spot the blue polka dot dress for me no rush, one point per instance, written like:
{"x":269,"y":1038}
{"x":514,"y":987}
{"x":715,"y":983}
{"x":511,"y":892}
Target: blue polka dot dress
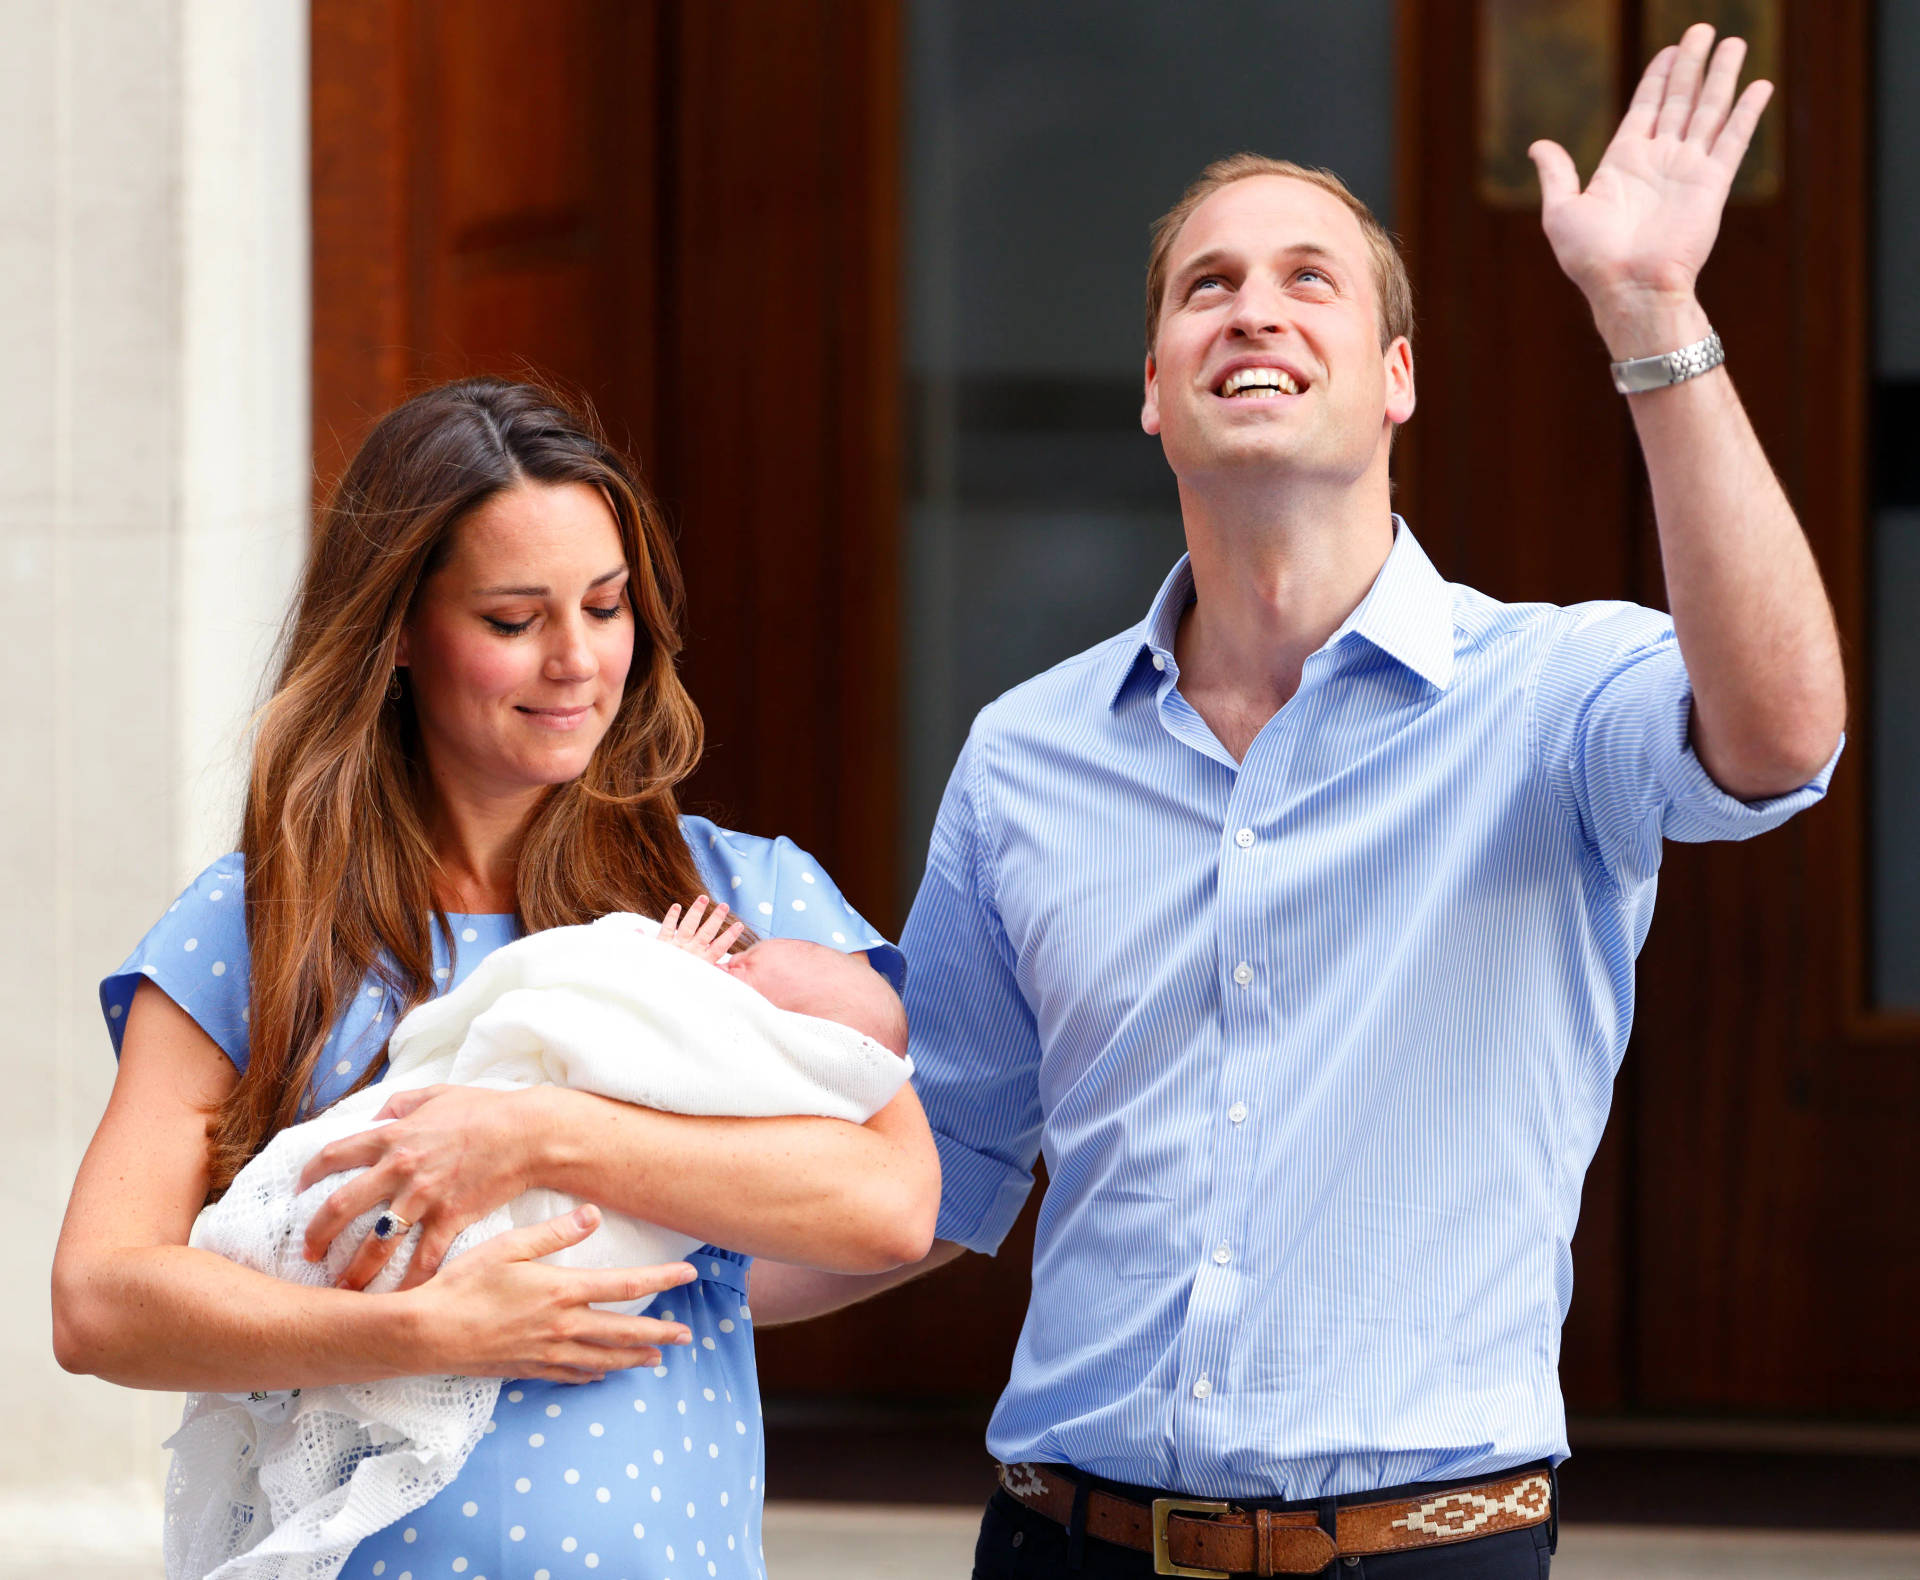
{"x":650,"y":1475}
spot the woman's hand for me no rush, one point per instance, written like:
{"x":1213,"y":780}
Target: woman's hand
{"x":499,"y":1311}
{"x":449,"y":1157}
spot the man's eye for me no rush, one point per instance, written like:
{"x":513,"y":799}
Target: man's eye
{"x":1203,"y":282}
{"x":1315,"y":275}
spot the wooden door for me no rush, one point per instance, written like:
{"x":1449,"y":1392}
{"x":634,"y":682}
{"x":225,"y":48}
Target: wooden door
{"x":690,"y":213}
{"x":686,"y":214}
{"x":1747,"y":1240}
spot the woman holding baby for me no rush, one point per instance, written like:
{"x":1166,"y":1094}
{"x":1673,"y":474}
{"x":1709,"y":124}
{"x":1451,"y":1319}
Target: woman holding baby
{"x":477,"y":732}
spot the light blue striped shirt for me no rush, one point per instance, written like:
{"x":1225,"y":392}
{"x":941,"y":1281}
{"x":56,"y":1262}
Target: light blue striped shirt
{"x":1317,"y":1046}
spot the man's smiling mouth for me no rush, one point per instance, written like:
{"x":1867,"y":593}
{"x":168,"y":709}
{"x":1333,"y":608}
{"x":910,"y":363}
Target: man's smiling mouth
{"x":1259,"y":384}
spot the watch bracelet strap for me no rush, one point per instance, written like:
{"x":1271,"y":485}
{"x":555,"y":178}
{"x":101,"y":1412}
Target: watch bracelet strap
{"x":1670,"y":367}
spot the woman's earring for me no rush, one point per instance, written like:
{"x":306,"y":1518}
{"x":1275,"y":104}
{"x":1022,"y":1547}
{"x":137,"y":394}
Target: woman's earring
{"x":394,"y":693}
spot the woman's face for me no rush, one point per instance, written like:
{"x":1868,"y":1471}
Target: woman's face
{"x":518,"y":645}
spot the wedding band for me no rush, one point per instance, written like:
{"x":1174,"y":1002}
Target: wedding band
{"x":390,"y":1223}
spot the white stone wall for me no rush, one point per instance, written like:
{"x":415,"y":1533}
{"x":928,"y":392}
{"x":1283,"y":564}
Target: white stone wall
{"x":153,"y":495}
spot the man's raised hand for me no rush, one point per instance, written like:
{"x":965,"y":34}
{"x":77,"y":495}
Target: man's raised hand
{"x":1636,"y":239}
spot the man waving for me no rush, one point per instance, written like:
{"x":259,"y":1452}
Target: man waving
{"x":1296,"y":925}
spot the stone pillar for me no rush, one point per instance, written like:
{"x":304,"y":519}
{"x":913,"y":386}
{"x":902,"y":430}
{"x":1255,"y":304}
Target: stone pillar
{"x":154,"y":478}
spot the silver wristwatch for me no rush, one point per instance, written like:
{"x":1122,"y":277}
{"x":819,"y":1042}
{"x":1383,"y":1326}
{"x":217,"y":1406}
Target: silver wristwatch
{"x":1670,"y":367}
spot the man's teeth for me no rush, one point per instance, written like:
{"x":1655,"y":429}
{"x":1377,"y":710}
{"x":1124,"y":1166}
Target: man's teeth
{"x":1258,"y":381}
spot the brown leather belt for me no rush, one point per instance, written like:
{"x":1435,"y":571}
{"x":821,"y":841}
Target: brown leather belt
{"x":1193,"y":1536}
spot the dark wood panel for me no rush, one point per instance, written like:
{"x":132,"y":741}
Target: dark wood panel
{"x":780,"y":448}
{"x":484,"y":201}
{"x":361,"y":162}
{"x":1516,"y":473}
{"x":1746,"y":1242}
{"x":518,"y":102}
{"x":1785,"y":1117}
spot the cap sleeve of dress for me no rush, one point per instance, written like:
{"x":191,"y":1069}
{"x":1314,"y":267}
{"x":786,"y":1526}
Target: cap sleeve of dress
{"x":197,"y":955}
{"x":782,"y":892}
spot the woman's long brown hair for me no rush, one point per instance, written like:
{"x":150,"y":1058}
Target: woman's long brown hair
{"x":339,"y":867}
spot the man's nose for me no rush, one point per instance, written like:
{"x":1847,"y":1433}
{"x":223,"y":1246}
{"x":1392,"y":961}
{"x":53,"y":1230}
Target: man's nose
{"x":1260,"y":308}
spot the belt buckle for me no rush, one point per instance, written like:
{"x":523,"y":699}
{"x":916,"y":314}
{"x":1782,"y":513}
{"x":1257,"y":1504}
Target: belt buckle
{"x":1163,"y":1563}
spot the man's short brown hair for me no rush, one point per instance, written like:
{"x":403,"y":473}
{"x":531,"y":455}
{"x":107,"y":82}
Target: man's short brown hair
{"x":1390,"y":283}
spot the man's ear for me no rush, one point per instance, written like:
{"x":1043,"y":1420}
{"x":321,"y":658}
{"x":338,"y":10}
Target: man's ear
{"x":1150,"y":402}
{"x":1399,"y":367}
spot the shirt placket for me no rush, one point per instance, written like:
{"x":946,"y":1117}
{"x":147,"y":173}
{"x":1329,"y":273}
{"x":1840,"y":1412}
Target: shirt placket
{"x":1252,"y":1033}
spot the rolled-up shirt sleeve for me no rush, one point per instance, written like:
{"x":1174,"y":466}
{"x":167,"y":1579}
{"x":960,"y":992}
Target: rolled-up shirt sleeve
{"x":976,"y":1050}
{"x":1612,"y":712}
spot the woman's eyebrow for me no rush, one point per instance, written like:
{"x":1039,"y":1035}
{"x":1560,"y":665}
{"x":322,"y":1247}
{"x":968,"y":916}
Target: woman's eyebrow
{"x":544,"y":592}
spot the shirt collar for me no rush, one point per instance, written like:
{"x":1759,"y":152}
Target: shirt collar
{"x":1407,"y":614}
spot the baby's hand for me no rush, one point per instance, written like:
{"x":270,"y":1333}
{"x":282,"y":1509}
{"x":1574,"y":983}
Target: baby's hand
{"x":701,"y":932}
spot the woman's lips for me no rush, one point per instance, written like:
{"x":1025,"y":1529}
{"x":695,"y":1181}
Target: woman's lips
{"x":557,"y":718}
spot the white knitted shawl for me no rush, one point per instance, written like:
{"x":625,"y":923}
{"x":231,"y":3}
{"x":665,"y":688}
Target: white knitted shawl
{"x":281,"y":1486}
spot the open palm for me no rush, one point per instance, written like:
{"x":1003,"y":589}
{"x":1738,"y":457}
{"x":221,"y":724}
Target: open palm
{"x":1648,"y":218}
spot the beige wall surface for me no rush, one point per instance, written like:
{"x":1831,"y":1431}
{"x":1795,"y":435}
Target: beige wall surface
{"x":153,"y":495}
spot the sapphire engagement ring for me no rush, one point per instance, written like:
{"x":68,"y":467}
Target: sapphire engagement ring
{"x":390,"y":1223}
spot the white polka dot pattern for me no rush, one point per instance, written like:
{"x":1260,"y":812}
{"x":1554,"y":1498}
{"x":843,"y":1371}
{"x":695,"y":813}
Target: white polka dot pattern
{"x":584,"y":1513}
{"x":498,"y":1518}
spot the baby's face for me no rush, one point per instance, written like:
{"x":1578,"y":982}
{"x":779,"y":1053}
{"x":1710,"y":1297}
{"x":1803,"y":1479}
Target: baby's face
{"x":812,"y":979}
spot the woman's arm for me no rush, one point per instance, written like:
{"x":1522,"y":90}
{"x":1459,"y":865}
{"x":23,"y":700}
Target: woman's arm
{"x":824,"y":1193}
{"x":133,"y":1303}
{"x":821,"y":1192}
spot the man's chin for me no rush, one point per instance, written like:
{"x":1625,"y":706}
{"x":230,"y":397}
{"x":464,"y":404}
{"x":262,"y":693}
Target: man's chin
{"x":1247,"y":455}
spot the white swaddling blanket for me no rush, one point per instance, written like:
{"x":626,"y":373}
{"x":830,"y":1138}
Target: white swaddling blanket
{"x":283,"y":1485}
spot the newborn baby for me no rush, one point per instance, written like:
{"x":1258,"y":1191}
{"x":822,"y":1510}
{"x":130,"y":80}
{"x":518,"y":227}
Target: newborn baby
{"x":656,"y":1014}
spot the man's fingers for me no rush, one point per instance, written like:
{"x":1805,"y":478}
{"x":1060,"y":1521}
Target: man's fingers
{"x":1558,"y":178}
{"x":1643,"y":114}
{"x":1716,"y":94}
{"x":1730,"y":147}
{"x":1683,"y":82}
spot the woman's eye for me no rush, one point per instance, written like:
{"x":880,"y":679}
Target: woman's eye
{"x":611,"y":611}
{"x":508,"y":627}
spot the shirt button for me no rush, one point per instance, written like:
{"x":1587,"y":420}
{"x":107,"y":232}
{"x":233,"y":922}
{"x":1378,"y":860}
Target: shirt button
{"x":1202,"y":1388}
{"x":1159,"y":662}
{"x":1222,"y":1255}
{"x":1243,"y":973}
{"x":1237,"y":1113}
{"x":1244,"y":839}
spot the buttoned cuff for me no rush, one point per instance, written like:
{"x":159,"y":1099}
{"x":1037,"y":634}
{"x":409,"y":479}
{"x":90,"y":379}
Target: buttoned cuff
{"x":980,"y":1196}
